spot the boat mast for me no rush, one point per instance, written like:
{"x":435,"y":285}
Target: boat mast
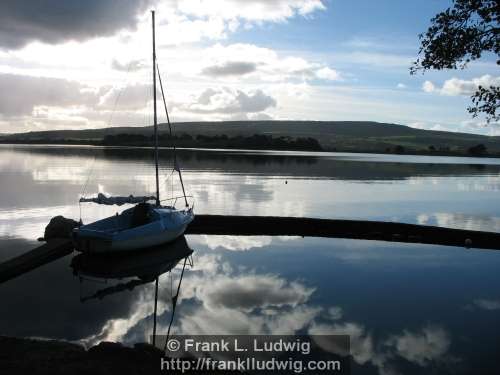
{"x":154,"y":110}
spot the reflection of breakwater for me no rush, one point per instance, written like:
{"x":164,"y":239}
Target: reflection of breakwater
{"x":315,"y":165}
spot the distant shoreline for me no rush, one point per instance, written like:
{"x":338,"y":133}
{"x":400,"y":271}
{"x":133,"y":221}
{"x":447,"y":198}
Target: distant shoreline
{"x":260,"y":142}
{"x":80,"y":142}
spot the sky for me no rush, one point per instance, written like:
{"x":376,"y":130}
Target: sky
{"x":87,"y":64}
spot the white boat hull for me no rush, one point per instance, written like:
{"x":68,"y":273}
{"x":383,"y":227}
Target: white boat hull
{"x":114,"y":234}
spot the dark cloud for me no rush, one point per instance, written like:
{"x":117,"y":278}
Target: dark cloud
{"x":230,"y":68}
{"x":20,"y":94}
{"x":250,"y":292}
{"x":55,"y":21}
{"x":206,"y":96}
{"x":227,"y":101}
{"x":254,"y":102}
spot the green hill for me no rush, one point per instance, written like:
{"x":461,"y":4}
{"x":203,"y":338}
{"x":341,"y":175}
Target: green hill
{"x":332,"y":135}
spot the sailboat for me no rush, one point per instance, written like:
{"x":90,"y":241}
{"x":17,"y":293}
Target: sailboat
{"x":146,"y":224}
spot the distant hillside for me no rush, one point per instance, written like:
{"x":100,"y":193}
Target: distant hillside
{"x":332,"y":135}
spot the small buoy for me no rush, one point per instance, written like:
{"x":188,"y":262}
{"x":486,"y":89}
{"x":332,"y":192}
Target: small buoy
{"x":468,"y":243}
{"x":286,"y":182}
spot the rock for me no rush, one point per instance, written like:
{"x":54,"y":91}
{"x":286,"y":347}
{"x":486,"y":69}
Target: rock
{"x":59,"y":227}
{"x":148,"y":350}
{"x":41,"y":357}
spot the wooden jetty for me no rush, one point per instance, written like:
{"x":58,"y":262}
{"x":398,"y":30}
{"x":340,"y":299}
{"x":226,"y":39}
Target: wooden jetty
{"x":281,"y":226}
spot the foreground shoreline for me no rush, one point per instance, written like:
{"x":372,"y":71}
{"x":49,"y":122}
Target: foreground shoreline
{"x":23,"y":355}
{"x":37,"y":356}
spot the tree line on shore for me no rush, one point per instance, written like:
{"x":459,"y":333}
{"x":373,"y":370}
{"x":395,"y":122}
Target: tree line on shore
{"x":256,"y":141}
{"x":476,"y":150}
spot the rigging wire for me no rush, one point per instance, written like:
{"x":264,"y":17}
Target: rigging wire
{"x":176,"y":166}
{"x":110,"y":118}
{"x":155,"y":310}
{"x":142,"y":166}
{"x":174,"y":304}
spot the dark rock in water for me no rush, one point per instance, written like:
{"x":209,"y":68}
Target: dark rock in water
{"x":59,"y":227}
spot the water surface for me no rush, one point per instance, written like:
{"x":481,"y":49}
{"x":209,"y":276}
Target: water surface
{"x":408,"y":308}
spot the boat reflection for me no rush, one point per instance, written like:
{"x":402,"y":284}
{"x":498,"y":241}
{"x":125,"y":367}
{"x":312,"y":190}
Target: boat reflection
{"x":141,"y":267}
{"x":145,"y":265}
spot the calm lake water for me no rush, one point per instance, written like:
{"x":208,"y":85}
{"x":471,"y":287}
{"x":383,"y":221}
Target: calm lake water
{"x":408,"y":308}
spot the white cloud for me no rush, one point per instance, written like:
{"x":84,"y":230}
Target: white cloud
{"x":480,"y":126}
{"x":432,"y":126}
{"x":421,"y":347}
{"x":428,"y":86}
{"x":465,"y":126}
{"x":438,"y":127}
{"x":327,"y":73}
{"x":20,"y":95}
{"x":188,"y":20}
{"x":464,"y":221}
{"x":132,"y":65}
{"x":361,"y":342}
{"x":430,"y":344}
{"x":248,"y":292}
{"x":251,"y":95}
{"x":335,"y":313}
{"x":261,"y":64}
{"x":229,"y":101}
{"x":253,"y":10}
{"x":249,"y":303}
{"x":182,"y":29}
{"x":132,"y":97}
{"x":237,"y":243}
{"x":487,"y":304}
{"x":417,"y":125}
{"x":456,"y":86}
